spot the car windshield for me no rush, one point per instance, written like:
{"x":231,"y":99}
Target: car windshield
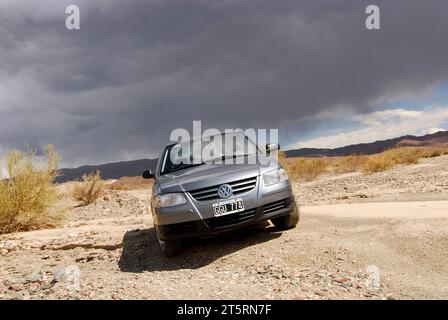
{"x":219,"y":148}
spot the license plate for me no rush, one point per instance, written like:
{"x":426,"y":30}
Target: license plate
{"x":227,"y":207}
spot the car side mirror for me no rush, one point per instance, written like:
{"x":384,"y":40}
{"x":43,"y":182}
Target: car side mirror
{"x":147,"y":174}
{"x":272,"y":147}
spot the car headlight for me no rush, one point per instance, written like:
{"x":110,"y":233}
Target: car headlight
{"x":168,"y":200}
{"x":274,"y":176}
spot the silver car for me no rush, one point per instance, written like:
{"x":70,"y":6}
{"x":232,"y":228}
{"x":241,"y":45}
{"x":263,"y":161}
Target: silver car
{"x":200,"y":199}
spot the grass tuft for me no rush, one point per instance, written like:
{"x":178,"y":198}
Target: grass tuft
{"x":300,"y":169}
{"x":89,"y":189}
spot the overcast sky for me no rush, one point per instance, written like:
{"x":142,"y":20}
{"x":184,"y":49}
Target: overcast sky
{"x":138,"y":69}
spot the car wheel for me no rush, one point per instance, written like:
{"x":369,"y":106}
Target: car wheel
{"x":289,"y":221}
{"x":170,"y":247}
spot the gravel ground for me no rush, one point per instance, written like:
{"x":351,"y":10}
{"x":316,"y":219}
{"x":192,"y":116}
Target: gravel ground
{"x":382,"y":236}
{"x":427,"y":180}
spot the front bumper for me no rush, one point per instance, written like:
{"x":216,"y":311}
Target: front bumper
{"x":196,"y":218}
{"x":224,"y":224}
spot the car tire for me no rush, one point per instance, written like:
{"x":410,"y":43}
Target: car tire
{"x":169,"y":248}
{"x":289,"y":221}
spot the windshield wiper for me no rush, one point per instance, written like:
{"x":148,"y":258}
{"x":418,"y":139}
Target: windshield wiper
{"x":234,"y":156}
{"x":182,"y":167}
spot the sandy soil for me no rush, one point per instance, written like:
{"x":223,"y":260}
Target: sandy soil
{"x":382,"y":236}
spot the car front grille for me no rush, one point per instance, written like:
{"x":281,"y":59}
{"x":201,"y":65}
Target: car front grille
{"x":277,"y":205}
{"x":211,"y":193}
{"x":230,"y":219}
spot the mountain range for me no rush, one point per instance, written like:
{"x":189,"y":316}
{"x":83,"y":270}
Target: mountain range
{"x":133,"y":168}
{"x":436,"y":140}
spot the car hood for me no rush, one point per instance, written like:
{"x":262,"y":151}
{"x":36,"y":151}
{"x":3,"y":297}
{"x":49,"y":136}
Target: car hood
{"x":209,"y":175}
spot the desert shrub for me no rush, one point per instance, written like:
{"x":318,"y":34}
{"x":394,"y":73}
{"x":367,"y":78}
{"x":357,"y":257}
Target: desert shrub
{"x":89,"y":189}
{"x":303,"y":169}
{"x":434,"y":153}
{"x":404,"y":155}
{"x":307,"y":169}
{"x":28,"y":194}
{"x":350,"y":163}
{"x":377,"y":163}
{"x":387,"y":159}
{"x":431,"y":153}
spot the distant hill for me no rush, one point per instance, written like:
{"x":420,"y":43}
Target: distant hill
{"x":113,"y":170}
{"x":134,"y":168}
{"x":437,"y":140}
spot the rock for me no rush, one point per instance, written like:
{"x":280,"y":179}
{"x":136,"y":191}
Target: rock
{"x":3,"y":252}
{"x":46,"y":286}
{"x":16,"y":287}
{"x":322,"y":274}
{"x":34,"y":286}
{"x":390,"y":297}
{"x":70,"y":276}
{"x":13,"y":280}
{"x":8,"y":245}
{"x":115,"y":296}
{"x":319,"y":293}
{"x":342,"y":280}
{"x":278,"y":275}
{"x":15,"y":296}
{"x":34,"y":277}
{"x":293,"y":281}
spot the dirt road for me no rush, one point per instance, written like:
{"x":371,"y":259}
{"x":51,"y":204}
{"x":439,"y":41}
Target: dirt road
{"x":362,"y":250}
{"x":325,"y":257}
{"x":406,"y":240}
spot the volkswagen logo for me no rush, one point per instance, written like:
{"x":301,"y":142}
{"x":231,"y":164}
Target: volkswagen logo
{"x":224,"y":191}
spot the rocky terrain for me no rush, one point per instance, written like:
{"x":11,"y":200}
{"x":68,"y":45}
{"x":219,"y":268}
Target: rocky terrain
{"x":382,"y":236}
{"x":426,"y":180}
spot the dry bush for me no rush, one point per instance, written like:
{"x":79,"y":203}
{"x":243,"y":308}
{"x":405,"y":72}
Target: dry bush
{"x":431,"y":152}
{"x":303,"y":169}
{"x":307,"y":169}
{"x":377,"y":163}
{"x":347,"y":164}
{"x":404,"y":155}
{"x":387,"y":159}
{"x":89,"y":189}
{"x":28,"y":195}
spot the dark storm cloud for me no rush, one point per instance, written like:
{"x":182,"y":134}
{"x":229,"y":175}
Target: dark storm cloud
{"x":138,"y":69}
